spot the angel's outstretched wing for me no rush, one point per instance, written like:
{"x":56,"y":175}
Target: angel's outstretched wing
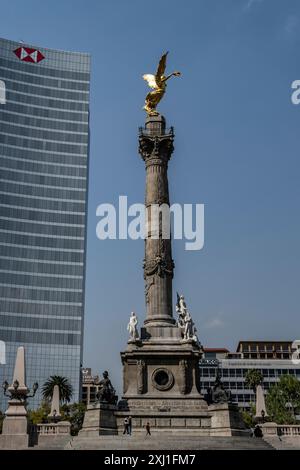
{"x":161,"y":68}
{"x":151,"y":80}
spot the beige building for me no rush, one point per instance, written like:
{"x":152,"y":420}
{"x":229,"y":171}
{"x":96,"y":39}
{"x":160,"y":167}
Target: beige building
{"x":265,"y":349}
{"x":90,"y":385}
{"x":272,"y":358}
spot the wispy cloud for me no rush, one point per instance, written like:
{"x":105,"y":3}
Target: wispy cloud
{"x":291,"y":25}
{"x":251,"y":3}
{"x":215,"y":322}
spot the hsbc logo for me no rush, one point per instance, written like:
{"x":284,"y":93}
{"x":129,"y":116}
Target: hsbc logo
{"x":27,"y":54}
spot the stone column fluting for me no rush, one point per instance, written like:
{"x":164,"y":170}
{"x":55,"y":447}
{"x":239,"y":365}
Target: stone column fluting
{"x":156,"y":147}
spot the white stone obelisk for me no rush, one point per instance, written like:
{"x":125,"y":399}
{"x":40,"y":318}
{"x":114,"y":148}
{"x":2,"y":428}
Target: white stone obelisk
{"x":20,"y":370}
{"x":55,"y":413}
{"x":14,"y":432}
{"x":261,"y":411}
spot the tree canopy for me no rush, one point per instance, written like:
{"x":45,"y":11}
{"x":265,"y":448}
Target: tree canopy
{"x":253,"y":378}
{"x":65,"y":388}
{"x":283,"y":400}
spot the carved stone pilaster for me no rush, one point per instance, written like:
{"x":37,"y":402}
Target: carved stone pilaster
{"x":182,"y":376}
{"x":125,"y":377}
{"x":140,"y":371}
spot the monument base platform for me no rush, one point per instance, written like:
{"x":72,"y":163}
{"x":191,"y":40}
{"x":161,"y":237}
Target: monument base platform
{"x":165,"y":441}
{"x":99,"y":420}
{"x":175,"y":417}
{"x":168,"y":417}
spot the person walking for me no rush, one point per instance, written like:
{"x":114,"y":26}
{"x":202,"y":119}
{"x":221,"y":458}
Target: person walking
{"x":148,"y":432}
{"x":129,"y":425}
{"x":126,"y":424}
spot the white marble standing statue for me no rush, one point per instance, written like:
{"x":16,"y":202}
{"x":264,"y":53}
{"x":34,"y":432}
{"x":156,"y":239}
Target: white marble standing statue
{"x":181,"y":310}
{"x":188,"y":326}
{"x":132,"y":327}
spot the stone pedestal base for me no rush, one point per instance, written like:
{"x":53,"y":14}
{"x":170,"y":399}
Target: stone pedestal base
{"x":226,"y":420}
{"x":164,"y":368}
{"x":99,"y":419}
{"x":269,"y":429}
{"x":14,"y":433}
{"x":162,"y":386}
{"x":14,"y":441}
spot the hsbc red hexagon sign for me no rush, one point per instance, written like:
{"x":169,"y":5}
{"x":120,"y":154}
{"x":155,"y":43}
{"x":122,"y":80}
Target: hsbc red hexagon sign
{"x":27,"y":54}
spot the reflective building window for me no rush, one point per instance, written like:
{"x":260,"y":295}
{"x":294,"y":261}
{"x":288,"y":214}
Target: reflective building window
{"x":44,"y":137}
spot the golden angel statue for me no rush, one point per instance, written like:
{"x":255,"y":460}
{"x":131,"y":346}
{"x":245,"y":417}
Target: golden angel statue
{"x":158,"y":83}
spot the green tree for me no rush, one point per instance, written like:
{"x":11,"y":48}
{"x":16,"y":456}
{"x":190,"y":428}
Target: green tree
{"x":276,"y":408}
{"x":65,"y":388}
{"x":290,"y":387}
{"x":248,"y":416}
{"x":74,"y":413}
{"x":253,"y":378}
{"x":283,"y":399}
{"x":40,"y":415}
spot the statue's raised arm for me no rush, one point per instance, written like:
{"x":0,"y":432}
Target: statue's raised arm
{"x":158,"y":83}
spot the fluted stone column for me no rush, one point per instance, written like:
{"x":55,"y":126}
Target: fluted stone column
{"x":156,"y":147}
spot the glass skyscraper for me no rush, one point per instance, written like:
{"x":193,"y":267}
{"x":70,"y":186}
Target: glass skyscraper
{"x":44,"y":153}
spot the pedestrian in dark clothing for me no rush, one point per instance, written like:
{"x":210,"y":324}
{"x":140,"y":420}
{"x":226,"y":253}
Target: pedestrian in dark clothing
{"x":126,"y":424}
{"x":258,"y":431}
{"x":148,"y":433}
{"x":129,"y":425}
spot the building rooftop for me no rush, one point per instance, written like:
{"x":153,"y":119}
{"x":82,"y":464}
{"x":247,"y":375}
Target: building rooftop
{"x":263,"y":342}
{"x":219,"y":350}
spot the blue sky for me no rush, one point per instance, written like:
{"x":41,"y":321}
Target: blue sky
{"x":236,"y":151}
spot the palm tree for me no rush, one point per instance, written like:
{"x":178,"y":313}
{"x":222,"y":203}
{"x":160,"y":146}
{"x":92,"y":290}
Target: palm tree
{"x":253,"y":378}
{"x":65,"y":388}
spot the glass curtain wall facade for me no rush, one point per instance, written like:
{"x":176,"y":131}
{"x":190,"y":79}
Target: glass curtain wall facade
{"x":44,"y":153}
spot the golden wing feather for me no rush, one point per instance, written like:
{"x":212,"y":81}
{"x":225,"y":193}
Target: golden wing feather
{"x":161,"y":68}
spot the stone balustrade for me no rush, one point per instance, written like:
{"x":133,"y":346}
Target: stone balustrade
{"x":46,"y":429}
{"x":288,"y":430}
{"x":274,"y":429}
